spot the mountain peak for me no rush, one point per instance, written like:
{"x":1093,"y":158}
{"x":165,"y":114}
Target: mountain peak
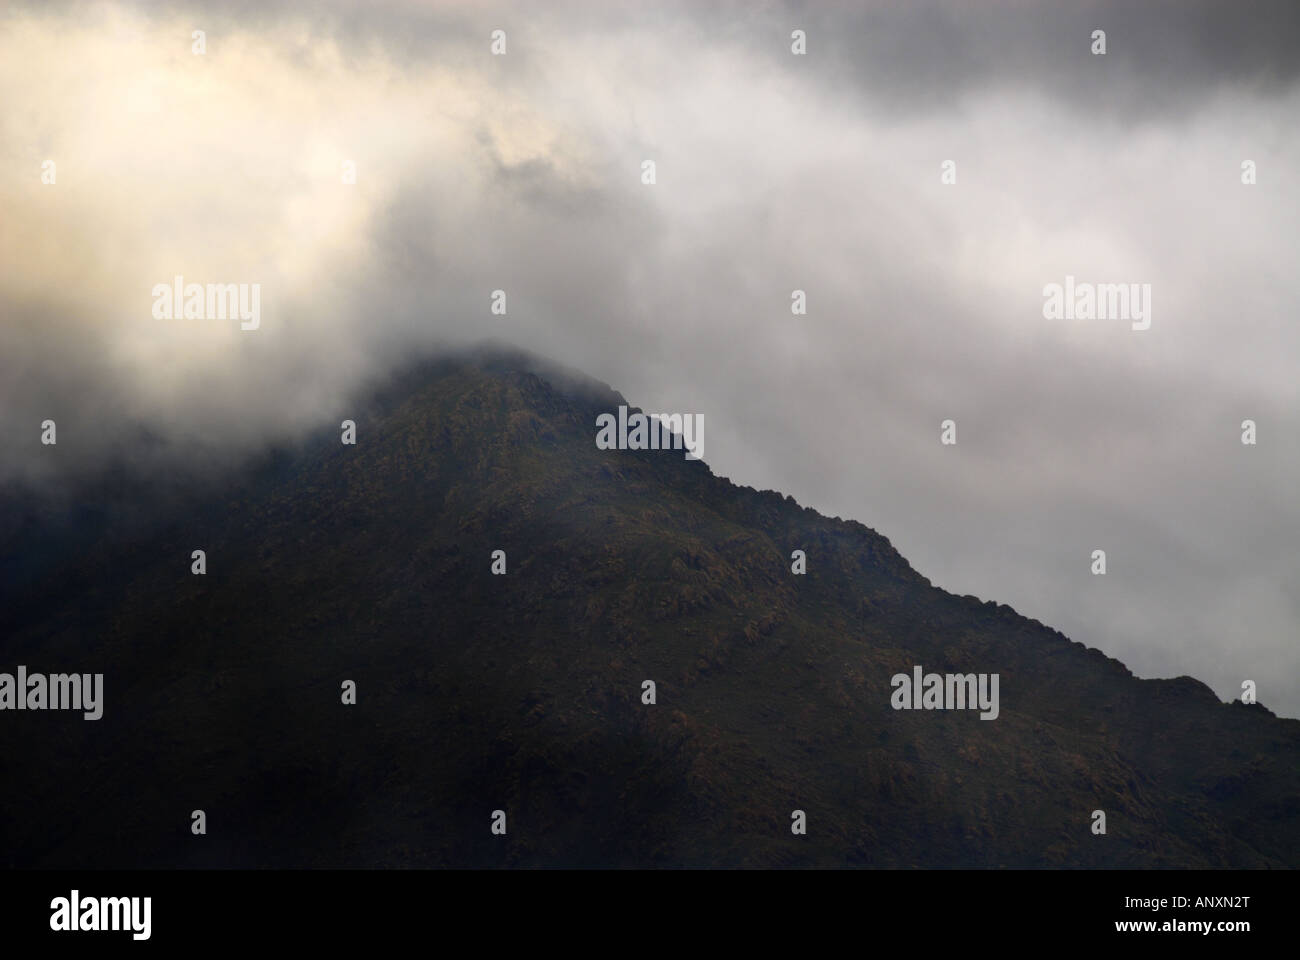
{"x":500,"y":590}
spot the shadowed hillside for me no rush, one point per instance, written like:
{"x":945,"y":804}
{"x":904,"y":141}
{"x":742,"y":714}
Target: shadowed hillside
{"x":522,"y":692}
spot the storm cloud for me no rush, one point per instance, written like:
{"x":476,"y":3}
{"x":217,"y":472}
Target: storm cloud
{"x":774,"y":173}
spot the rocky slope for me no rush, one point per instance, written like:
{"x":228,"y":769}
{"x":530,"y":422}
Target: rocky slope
{"x":522,"y":692}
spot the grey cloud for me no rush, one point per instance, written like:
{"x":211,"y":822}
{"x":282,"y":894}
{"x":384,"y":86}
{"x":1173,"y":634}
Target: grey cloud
{"x":1164,"y":57}
{"x":822,"y":174}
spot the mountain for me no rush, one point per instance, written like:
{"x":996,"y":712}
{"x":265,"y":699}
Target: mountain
{"x":522,"y":692}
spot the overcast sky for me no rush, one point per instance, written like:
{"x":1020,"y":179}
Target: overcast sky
{"x":774,"y":172}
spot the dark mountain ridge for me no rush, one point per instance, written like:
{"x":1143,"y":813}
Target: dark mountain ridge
{"x":478,"y":692}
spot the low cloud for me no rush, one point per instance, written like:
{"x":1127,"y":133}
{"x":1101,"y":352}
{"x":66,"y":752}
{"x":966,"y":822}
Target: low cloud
{"x":773,"y":173}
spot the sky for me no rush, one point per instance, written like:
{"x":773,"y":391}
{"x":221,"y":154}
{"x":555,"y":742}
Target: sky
{"x":774,"y":172}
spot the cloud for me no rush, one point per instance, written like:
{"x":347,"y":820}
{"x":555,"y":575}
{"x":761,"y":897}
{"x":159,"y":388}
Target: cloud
{"x":774,"y":173}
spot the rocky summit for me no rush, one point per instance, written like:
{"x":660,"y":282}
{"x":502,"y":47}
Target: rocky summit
{"x":431,"y":648}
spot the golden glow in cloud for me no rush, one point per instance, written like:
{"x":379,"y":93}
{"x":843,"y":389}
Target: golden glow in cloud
{"x":224,"y":167}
